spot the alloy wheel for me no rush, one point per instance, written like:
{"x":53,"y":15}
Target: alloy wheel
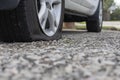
{"x":49,"y":13}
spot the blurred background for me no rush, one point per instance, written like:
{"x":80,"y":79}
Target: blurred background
{"x":111,"y":17}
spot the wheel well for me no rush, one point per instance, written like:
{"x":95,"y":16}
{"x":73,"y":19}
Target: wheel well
{"x":73,"y":18}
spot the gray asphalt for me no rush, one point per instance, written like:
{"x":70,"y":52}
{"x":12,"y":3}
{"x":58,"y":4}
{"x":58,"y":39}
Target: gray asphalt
{"x":77,"y":56}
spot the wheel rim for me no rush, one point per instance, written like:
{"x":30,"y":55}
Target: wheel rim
{"x":49,"y":13}
{"x":100,"y":13}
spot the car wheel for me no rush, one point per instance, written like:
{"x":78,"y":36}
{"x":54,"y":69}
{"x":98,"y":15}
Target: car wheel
{"x":94,"y":23}
{"x":32,"y":20}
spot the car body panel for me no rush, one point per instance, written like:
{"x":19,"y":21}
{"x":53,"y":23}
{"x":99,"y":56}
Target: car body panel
{"x":8,"y":4}
{"x":87,"y":7}
{"x":82,"y":7}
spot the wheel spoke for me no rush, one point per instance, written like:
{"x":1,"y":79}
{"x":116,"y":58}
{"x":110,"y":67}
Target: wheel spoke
{"x":52,"y":20}
{"x":43,"y":14}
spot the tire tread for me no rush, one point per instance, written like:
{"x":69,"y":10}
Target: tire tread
{"x":13,"y":25}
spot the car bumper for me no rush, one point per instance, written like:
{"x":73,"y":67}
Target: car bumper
{"x":8,"y":4}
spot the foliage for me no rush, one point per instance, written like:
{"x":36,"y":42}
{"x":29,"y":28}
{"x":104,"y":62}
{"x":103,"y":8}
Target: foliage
{"x":106,"y":9}
{"x":107,"y":4}
{"x":116,"y":14}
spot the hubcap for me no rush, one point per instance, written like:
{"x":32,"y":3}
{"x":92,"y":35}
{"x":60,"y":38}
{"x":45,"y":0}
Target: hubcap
{"x":100,"y":13}
{"x":49,"y":13}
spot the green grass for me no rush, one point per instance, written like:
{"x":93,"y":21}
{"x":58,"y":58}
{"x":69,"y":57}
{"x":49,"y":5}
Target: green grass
{"x":82,"y":22}
{"x":80,"y":27}
{"x":104,"y":28}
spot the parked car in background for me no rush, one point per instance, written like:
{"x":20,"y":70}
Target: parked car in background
{"x":31,"y":20}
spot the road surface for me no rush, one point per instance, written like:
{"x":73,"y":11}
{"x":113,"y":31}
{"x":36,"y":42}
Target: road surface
{"x":115,"y":24}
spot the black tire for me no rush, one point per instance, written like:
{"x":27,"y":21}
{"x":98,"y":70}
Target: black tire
{"x":22,"y":24}
{"x":94,"y":24}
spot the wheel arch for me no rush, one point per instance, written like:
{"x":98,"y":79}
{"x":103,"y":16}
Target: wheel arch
{"x":94,"y":11}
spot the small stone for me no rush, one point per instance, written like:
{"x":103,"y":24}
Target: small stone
{"x":69,"y":69}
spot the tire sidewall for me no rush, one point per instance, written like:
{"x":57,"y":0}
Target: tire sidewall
{"x":94,"y":20}
{"x":33,"y":22}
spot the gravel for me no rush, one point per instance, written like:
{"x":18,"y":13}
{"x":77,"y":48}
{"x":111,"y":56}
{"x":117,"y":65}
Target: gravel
{"x":77,"y":56}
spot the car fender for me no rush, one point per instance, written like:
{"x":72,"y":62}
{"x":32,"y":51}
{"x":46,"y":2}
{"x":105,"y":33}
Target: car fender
{"x":8,"y":4}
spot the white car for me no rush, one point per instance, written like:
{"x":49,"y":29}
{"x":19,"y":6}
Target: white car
{"x":31,"y":20}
